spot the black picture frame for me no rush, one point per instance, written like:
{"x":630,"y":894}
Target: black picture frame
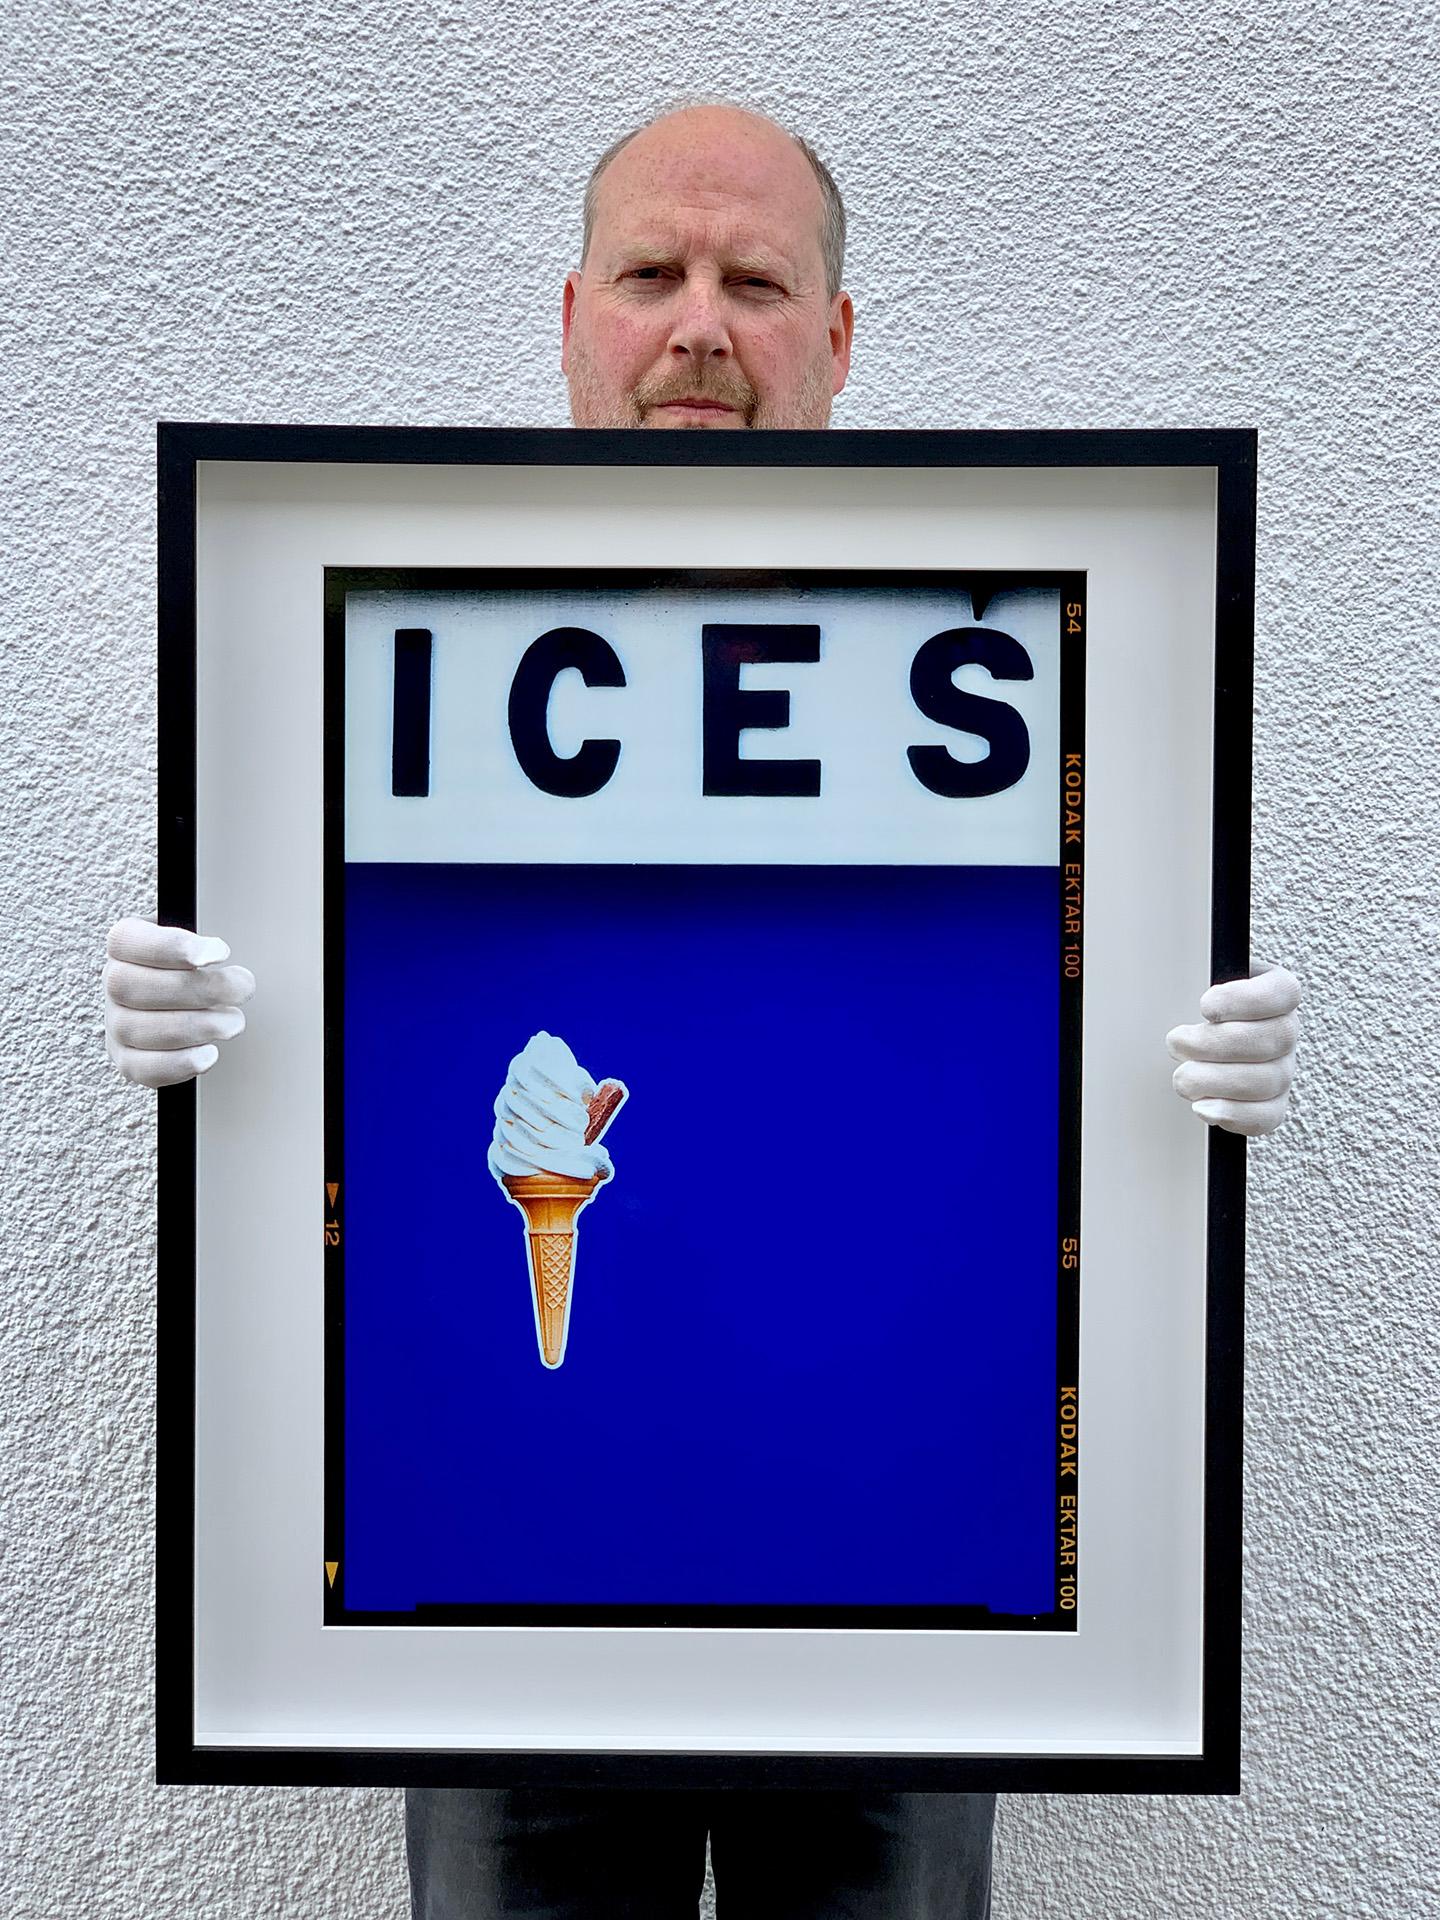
{"x":1231,"y":454}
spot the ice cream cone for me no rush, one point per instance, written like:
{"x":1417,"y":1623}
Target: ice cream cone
{"x":550,"y":1202}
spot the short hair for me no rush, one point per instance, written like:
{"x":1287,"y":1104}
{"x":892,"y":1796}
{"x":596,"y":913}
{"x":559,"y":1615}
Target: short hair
{"x":832,"y":218}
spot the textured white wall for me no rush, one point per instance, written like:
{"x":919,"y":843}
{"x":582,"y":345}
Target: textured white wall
{"x":1086,"y":215}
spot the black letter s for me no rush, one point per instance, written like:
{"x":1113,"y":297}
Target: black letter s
{"x":939,"y":699}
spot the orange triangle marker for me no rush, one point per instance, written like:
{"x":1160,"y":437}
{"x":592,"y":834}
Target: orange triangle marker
{"x":332,"y":1567}
{"x":332,"y":1187}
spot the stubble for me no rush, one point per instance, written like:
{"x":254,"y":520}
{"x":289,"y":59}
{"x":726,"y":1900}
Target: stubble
{"x":593,"y":403}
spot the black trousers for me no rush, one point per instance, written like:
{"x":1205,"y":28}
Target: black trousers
{"x":604,"y":1854}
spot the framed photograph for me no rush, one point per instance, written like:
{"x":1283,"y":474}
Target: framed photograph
{"x":695,"y":1273}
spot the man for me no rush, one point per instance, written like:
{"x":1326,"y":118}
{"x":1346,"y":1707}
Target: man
{"x":709,"y":292}
{"x":708,"y":299}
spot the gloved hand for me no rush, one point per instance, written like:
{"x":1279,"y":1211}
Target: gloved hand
{"x":167,"y":1001}
{"x":1238,"y":1061}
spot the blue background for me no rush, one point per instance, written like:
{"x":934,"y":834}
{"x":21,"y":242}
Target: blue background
{"x":812,"y":1342}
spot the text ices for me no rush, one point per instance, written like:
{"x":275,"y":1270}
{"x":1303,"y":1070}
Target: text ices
{"x":730,"y":710}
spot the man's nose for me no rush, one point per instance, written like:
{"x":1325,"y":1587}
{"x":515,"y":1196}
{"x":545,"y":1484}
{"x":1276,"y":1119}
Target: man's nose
{"x":700,"y":330}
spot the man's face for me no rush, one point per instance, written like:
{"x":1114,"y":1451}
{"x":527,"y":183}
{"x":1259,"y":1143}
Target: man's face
{"x":702,"y":302}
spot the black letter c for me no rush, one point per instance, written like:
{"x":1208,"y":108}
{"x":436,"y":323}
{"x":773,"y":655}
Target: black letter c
{"x":599,"y":665}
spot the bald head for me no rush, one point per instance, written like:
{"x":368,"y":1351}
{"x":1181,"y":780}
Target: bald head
{"x":832,"y":213}
{"x":703,"y":297}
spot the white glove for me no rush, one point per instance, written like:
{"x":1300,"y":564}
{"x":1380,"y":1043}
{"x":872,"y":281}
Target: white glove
{"x":1239,"y":1060}
{"x":167,"y":1002}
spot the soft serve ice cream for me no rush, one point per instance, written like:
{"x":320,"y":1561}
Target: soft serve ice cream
{"x":546,"y":1155}
{"x":542,"y":1115}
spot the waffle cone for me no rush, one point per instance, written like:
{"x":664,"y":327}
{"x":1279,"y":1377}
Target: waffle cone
{"x":550,"y":1202}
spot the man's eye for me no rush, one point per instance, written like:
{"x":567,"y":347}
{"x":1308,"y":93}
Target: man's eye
{"x":756,"y":283}
{"x":643,"y":273}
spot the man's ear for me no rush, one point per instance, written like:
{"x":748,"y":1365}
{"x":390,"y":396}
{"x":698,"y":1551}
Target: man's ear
{"x":842,"y":330}
{"x":567,"y":315}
